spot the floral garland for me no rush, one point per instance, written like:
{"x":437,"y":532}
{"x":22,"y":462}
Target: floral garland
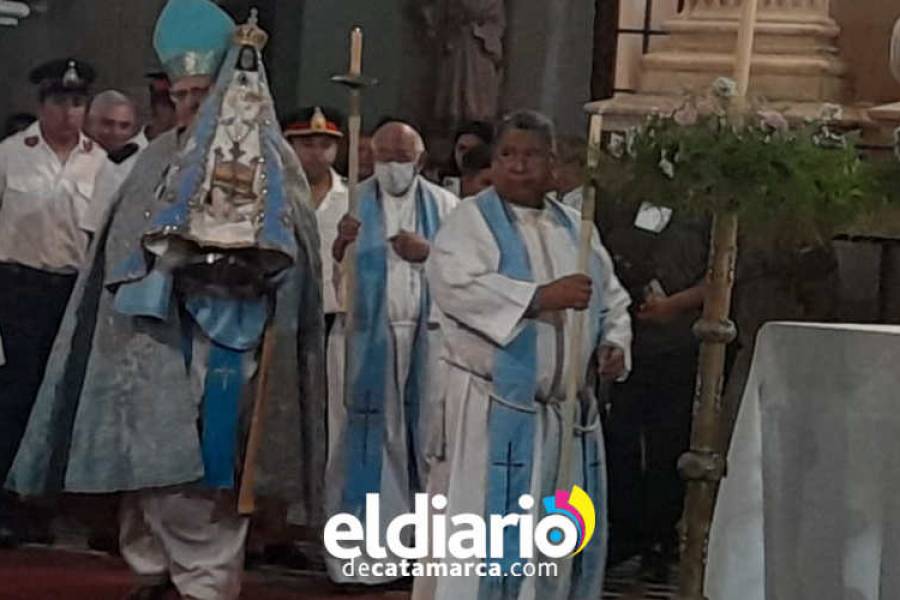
{"x":810,"y":179}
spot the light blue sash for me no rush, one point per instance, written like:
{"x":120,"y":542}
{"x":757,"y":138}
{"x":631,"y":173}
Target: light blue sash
{"x":587,"y":572}
{"x":370,"y":365}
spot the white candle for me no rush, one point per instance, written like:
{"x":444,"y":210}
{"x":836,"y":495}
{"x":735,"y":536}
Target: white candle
{"x":356,"y":40}
{"x":744,"y":52}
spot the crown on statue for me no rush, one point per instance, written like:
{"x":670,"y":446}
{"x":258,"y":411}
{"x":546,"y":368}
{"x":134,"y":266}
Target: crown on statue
{"x":250,"y":34}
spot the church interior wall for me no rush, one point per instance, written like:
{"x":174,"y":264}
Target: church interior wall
{"x":113,"y":36}
{"x":866,"y":27}
{"x":548,"y":51}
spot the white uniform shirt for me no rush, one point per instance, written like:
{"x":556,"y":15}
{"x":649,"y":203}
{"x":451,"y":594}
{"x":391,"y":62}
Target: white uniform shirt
{"x":42,"y":201}
{"x":328,"y":215}
{"x":109,"y":179}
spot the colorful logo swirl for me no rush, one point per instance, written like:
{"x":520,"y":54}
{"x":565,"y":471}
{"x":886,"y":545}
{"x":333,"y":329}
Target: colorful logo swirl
{"x":578,"y":507}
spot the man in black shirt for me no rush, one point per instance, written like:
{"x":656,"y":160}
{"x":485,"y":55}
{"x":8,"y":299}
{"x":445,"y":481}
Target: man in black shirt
{"x":661,"y":257}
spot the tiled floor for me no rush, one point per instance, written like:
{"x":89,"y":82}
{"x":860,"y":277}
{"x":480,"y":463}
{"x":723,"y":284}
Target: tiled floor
{"x":41,"y":573}
{"x":624,"y":583}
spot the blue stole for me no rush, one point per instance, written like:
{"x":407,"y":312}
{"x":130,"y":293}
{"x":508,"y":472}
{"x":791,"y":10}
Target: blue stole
{"x":588,"y":570}
{"x":368,"y":375}
{"x":511,"y":421}
{"x":235,"y":328}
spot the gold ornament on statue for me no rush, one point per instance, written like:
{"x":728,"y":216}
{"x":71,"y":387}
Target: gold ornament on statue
{"x":250,"y":34}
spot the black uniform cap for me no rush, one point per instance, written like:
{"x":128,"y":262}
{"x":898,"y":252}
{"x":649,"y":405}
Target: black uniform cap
{"x":62,"y":76}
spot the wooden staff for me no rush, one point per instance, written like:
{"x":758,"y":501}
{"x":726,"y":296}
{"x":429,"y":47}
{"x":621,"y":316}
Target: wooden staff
{"x":574,"y":370}
{"x":247,"y":495}
{"x":355,"y":82}
{"x":704,"y":465}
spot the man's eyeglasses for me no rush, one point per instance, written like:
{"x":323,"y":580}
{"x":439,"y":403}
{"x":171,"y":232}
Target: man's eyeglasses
{"x":194,"y":93}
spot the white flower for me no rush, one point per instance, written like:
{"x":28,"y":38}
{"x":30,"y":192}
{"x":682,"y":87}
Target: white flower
{"x":829,"y":139}
{"x":724,"y":87}
{"x":772,"y":120}
{"x":831,"y":112}
{"x":666,"y":166}
{"x":687,"y":115}
{"x":630,"y":141}
{"x":616,"y":145}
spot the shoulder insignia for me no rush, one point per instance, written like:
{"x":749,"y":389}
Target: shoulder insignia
{"x":32,"y":141}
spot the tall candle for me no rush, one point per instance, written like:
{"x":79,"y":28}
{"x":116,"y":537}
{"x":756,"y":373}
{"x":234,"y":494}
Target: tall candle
{"x":744,"y":52}
{"x":356,"y":40}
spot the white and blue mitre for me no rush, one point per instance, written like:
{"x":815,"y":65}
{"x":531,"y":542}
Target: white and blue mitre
{"x":192,"y":37}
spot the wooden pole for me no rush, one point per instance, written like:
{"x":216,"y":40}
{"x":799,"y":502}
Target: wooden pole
{"x":744,"y":51}
{"x":574,"y":354}
{"x":247,"y":494}
{"x":355,"y":83}
{"x":703,"y":466}
{"x":354,"y":126}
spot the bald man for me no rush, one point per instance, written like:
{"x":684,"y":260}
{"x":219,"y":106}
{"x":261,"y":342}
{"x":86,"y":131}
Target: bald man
{"x":379,"y":407}
{"x":112,"y":122}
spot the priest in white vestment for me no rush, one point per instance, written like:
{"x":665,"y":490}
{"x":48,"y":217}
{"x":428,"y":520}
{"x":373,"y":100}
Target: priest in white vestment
{"x":504,"y":272}
{"x":380,"y":403}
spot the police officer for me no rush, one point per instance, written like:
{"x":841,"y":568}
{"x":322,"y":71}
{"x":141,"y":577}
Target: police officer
{"x":47,"y":177}
{"x":315,"y":134}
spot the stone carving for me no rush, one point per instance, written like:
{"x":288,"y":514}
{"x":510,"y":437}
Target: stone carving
{"x":796,"y":55}
{"x":469,"y":34}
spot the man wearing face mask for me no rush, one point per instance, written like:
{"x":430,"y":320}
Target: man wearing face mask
{"x":380,"y":404}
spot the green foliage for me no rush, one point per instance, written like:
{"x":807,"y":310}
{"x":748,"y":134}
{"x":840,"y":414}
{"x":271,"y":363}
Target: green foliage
{"x":808,"y":180}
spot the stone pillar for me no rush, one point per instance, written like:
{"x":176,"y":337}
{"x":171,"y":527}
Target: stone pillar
{"x":795,"y":54}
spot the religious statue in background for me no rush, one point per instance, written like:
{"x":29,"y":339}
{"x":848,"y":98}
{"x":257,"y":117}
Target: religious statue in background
{"x":470,"y":71}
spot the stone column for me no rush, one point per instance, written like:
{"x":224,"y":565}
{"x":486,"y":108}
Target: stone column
{"x":795,"y":55}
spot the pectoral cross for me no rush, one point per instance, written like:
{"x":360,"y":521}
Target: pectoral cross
{"x":224,"y":373}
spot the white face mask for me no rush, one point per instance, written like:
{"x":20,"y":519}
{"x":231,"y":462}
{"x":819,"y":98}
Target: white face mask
{"x":394,"y":177}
